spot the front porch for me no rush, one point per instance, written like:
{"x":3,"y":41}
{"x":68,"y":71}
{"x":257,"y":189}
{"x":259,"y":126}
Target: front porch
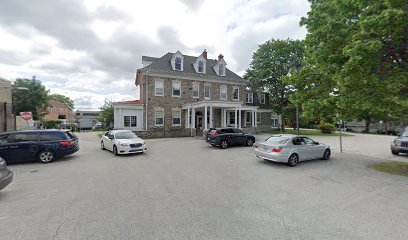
{"x":213,"y":114}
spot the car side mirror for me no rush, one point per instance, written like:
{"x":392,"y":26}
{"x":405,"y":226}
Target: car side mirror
{"x":111,"y":138}
{"x":317,"y":143}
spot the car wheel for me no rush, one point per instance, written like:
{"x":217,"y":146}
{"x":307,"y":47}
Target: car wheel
{"x":395,"y":153}
{"x":46,"y":156}
{"x":293,"y":160}
{"x":249,"y":142}
{"x":326,"y":154}
{"x":115,"y":151}
{"x":224,"y":144}
{"x":102,"y":146}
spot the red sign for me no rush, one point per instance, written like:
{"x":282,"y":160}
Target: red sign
{"x":26,"y":115}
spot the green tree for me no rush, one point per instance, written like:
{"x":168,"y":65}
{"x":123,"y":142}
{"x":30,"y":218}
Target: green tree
{"x":34,"y":100}
{"x":355,"y":63}
{"x":270,"y":64}
{"x":107,"y":113}
{"x":63,"y":99}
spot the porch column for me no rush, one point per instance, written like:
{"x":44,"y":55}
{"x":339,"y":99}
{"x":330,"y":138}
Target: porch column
{"x":224,"y":117}
{"x":211,"y":117}
{"x":236,"y":113}
{"x":253,"y":118}
{"x":256,"y":122}
{"x":188,"y":118}
{"x":205,"y":117}
{"x":193,"y":123}
{"x":239,"y":118}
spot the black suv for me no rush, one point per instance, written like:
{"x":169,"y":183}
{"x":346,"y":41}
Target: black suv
{"x":43,"y":145}
{"x":225,"y":137}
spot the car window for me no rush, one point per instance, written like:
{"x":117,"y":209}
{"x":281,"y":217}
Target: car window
{"x":71,"y":135}
{"x":125,"y":135}
{"x":5,"y":138}
{"x":405,"y":133}
{"x":238,"y":131}
{"x":51,"y":136}
{"x":229,"y":130}
{"x":277,"y":140}
{"x":308,"y":141}
{"x":25,"y":137}
{"x":298,"y":141}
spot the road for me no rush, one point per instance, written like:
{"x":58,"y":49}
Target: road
{"x":184,"y":189}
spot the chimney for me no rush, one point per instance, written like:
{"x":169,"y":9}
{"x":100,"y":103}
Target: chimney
{"x":205,"y":54}
{"x":220,"y":57}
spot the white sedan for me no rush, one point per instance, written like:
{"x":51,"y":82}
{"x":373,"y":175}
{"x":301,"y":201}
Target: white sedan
{"x":122,"y":142}
{"x":291,"y":149}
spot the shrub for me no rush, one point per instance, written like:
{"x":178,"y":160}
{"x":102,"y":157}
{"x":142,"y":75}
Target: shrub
{"x":327,"y":128}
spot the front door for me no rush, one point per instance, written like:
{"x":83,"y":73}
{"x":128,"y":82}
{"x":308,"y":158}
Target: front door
{"x":199,"y":122}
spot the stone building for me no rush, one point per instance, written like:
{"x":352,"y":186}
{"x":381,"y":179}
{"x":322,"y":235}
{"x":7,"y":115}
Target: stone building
{"x":6,"y":106}
{"x":182,"y":95}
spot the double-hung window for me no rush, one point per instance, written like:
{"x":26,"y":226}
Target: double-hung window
{"x":221,"y":70}
{"x":201,"y":66}
{"x":262,"y":99}
{"x":176,"y":89}
{"x":258,"y":117}
{"x":196,"y":90}
{"x":207,"y":91}
{"x":159,"y":88}
{"x":176,"y":113}
{"x":223,"y":92}
{"x":129,"y":121}
{"x":178,"y":63}
{"x":159,"y":117}
{"x":249,"y":97}
{"x":235,"y":93}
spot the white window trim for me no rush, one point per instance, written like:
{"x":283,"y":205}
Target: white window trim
{"x":130,"y":120}
{"x":198,"y":66}
{"x":181,"y":64}
{"x":172,"y":116}
{"x":172,"y":88}
{"x":224,"y":87}
{"x":252,"y":97}
{"x":155,"y":116}
{"x":259,"y":117}
{"x":264,"y":98}
{"x":155,"y":87}
{"x":209,"y":92}
{"x":198,"y":87}
{"x":233,"y":93}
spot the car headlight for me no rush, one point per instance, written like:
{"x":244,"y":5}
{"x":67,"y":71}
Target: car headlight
{"x":396,"y":142}
{"x":143,"y":143}
{"x":123,"y":144}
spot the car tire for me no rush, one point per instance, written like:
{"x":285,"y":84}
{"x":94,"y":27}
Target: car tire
{"x":293,"y":160}
{"x":394,"y":153}
{"x":46,"y":156}
{"x":224,"y":144}
{"x":102,"y":146}
{"x":115,"y":150}
{"x":326,"y":154}
{"x":249,"y":142}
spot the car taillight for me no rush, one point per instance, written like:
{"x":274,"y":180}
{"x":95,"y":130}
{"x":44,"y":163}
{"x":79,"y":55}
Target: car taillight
{"x":277,"y":149}
{"x":256,"y":146}
{"x":215,"y":133}
{"x":67,"y":143}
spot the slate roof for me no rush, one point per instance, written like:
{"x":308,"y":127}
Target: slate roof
{"x":163,"y":65}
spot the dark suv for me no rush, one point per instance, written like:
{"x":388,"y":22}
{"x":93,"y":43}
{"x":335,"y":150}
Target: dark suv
{"x":43,"y":145}
{"x":225,"y":137}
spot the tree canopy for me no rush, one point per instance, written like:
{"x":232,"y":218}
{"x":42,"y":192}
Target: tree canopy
{"x":32,"y":100}
{"x":355,"y":62}
{"x":270,"y":64}
{"x":63,"y":99}
{"x":107,"y":113}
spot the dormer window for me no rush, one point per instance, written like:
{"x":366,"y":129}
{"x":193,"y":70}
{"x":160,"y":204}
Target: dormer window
{"x":221,"y":69}
{"x":200,"y":66}
{"x":178,"y":63}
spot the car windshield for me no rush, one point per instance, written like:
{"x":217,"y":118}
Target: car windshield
{"x":405,"y":133}
{"x":277,"y":140}
{"x":125,"y":135}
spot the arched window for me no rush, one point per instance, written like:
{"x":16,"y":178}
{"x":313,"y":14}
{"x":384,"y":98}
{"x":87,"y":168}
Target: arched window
{"x":221,"y":70}
{"x":200,"y":66}
{"x":178,"y":63}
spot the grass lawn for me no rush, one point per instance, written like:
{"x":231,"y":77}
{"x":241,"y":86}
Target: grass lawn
{"x":308,"y":133}
{"x":394,"y":167}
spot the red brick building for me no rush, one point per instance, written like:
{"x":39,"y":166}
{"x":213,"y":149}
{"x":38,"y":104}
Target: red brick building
{"x":58,"y":111}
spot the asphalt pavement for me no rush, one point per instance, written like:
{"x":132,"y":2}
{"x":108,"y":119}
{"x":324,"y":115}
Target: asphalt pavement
{"x":182,"y":188}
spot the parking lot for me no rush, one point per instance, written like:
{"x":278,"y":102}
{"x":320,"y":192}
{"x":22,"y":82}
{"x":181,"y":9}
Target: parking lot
{"x":182,"y":188}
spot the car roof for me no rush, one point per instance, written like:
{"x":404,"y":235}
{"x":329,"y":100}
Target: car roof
{"x":116,"y":131}
{"x":287,"y":135}
{"x":37,"y":131}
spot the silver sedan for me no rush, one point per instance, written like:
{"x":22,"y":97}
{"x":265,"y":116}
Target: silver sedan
{"x":291,"y":149}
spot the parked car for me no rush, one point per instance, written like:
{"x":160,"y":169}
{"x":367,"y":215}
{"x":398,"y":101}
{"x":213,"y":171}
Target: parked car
{"x":6,"y":175}
{"x":123,"y":142}
{"x":400,"y":144}
{"x":97,"y":126}
{"x":225,"y":137}
{"x":43,"y":145}
{"x":291,"y":149}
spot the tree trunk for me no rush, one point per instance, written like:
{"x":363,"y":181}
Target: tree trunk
{"x":367,"y":124}
{"x":282,"y":122}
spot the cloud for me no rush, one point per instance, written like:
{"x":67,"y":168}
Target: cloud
{"x":192,"y":4}
{"x":110,"y":13}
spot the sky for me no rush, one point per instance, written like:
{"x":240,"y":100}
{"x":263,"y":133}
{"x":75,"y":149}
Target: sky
{"x":89,"y":50}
